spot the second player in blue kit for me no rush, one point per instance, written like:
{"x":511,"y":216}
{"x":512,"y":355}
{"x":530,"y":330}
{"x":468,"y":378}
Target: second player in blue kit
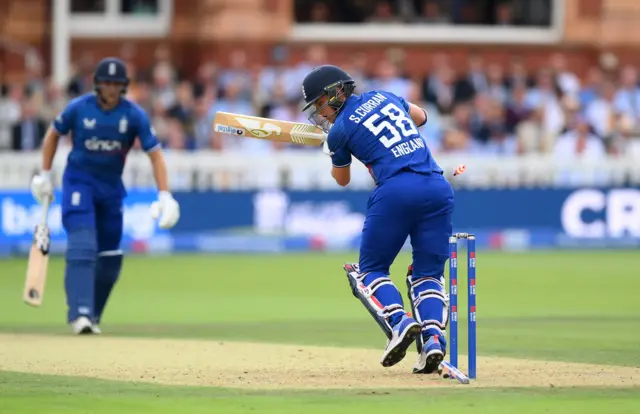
{"x":411,"y":199}
{"x":103,"y":127}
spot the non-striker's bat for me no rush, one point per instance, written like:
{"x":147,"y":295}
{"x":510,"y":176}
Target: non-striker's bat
{"x":38,"y":260}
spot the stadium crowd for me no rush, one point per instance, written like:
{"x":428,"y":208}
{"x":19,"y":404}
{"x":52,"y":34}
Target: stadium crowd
{"x":457,"y":12}
{"x":482,"y":109}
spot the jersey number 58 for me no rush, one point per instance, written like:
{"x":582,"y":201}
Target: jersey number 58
{"x":400,"y":122}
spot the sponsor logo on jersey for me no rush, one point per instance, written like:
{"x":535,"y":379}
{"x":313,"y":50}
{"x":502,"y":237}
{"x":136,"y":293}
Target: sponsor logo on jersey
{"x":89,"y":123}
{"x":123,"y":125}
{"x":102,"y":145}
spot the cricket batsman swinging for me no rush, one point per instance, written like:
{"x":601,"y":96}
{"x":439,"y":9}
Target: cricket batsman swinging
{"x":103,"y":126}
{"x":412,"y":198}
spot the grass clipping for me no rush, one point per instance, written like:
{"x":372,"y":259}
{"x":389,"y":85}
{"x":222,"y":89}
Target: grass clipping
{"x":273,"y":366}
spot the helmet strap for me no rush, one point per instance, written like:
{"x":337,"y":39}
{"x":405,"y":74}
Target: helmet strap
{"x":338,"y":95}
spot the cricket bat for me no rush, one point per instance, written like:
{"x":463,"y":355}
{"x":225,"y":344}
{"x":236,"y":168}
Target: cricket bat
{"x":270,"y":129}
{"x":38,"y":260}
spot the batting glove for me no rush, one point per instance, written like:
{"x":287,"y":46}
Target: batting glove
{"x":166,"y":210}
{"x":42,"y":186}
{"x":325,"y":149}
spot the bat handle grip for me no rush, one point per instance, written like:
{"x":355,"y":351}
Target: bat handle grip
{"x":46,"y":203}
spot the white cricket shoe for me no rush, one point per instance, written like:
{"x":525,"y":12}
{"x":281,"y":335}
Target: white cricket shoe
{"x":95,"y":328}
{"x":82,"y":326}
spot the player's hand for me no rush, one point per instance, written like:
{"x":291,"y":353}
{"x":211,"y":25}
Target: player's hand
{"x":166,"y":210}
{"x":42,"y":186}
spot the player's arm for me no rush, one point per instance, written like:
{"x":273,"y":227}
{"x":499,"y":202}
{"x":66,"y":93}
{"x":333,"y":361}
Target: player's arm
{"x":159,"y":166}
{"x":340,"y":157}
{"x":61,"y":126}
{"x":166,"y":209}
{"x":49,"y":148}
{"x":150,"y":144}
{"x":342,"y":175}
{"x":419,"y":115}
{"x":41,"y":183}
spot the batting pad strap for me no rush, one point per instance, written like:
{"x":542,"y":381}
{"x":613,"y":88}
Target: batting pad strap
{"x":110,"y":253}
{"x":387,"y":311}
{"x":433,"y":324}
{"x":414,"y":284}
{"x":378,"y":283}
{"x":429,"y":293}
{"x":426,"y":287}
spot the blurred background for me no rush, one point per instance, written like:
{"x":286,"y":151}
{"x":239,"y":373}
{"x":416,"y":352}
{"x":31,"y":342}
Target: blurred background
{"x":540,"y":99}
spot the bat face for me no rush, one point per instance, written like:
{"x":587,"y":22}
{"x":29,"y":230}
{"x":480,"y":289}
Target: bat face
{"x":269,"y":129}
{"x":259,"y":129}
{"x":37,"y":266}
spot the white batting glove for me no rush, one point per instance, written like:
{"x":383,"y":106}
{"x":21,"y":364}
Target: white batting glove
{"x":166,"y":210}
{"x":325,"y":149}
{"x":42,"y":186}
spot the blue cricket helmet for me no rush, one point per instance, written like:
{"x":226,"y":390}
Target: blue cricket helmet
{"x":325,"y":80}
{"x":111,"y":70}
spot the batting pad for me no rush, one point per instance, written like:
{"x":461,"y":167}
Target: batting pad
{"x":430,"y":305}
{"x":379,"y":296}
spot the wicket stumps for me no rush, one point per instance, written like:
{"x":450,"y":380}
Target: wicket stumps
{"x":452,"y":365}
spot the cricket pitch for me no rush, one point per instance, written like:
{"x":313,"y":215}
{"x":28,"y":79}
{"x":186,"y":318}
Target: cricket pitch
{"x":274,"y":366}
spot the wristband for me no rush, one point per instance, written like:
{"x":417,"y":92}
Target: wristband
{"x":425,"y":117}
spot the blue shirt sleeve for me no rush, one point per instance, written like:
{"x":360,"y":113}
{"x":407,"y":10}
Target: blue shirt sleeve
{"x":337,"y":141}
{"x":146,"y":133}
{"x":65,"y":120}
{"x":404,"y":103}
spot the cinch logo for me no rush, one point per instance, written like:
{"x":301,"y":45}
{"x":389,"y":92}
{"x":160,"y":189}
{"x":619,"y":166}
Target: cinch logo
{"x":596,"y":214}
{"x":103,"y":145}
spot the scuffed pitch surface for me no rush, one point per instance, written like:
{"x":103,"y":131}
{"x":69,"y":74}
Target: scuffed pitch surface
{"x":272,"y":366}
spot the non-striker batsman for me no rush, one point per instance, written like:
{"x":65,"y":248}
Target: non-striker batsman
{"x":103,"y":126}
{"x":412,"y":199}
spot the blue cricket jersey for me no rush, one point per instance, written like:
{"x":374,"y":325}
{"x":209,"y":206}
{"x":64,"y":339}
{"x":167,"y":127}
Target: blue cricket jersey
{"x":376,"y":128}
{"x":101,"y":139}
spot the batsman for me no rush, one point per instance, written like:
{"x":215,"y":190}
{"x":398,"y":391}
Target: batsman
{"x":412,"y":199}
{"x":103,"y":126}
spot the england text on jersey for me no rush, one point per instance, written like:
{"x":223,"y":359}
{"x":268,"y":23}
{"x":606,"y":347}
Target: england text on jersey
{"x":407,"y":147}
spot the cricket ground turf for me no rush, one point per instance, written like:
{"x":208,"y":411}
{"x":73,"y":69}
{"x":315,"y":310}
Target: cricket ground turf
{"x":557,"y":332}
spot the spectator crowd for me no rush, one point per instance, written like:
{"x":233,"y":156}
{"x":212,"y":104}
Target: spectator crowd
{"x":433,"y":12}
{"x":484,"y":108}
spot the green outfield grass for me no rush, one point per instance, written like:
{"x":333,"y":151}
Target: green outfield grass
{"x":566,"y":306}
{"x":52,"y":395}
{"x":539,"y":305}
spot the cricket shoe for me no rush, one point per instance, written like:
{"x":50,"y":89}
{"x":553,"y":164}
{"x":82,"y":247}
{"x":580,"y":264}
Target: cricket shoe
{"x":403,"y":334}
{"x":82,"y":326}
{"x":95,"y":329}
{"x":430,"y":358}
